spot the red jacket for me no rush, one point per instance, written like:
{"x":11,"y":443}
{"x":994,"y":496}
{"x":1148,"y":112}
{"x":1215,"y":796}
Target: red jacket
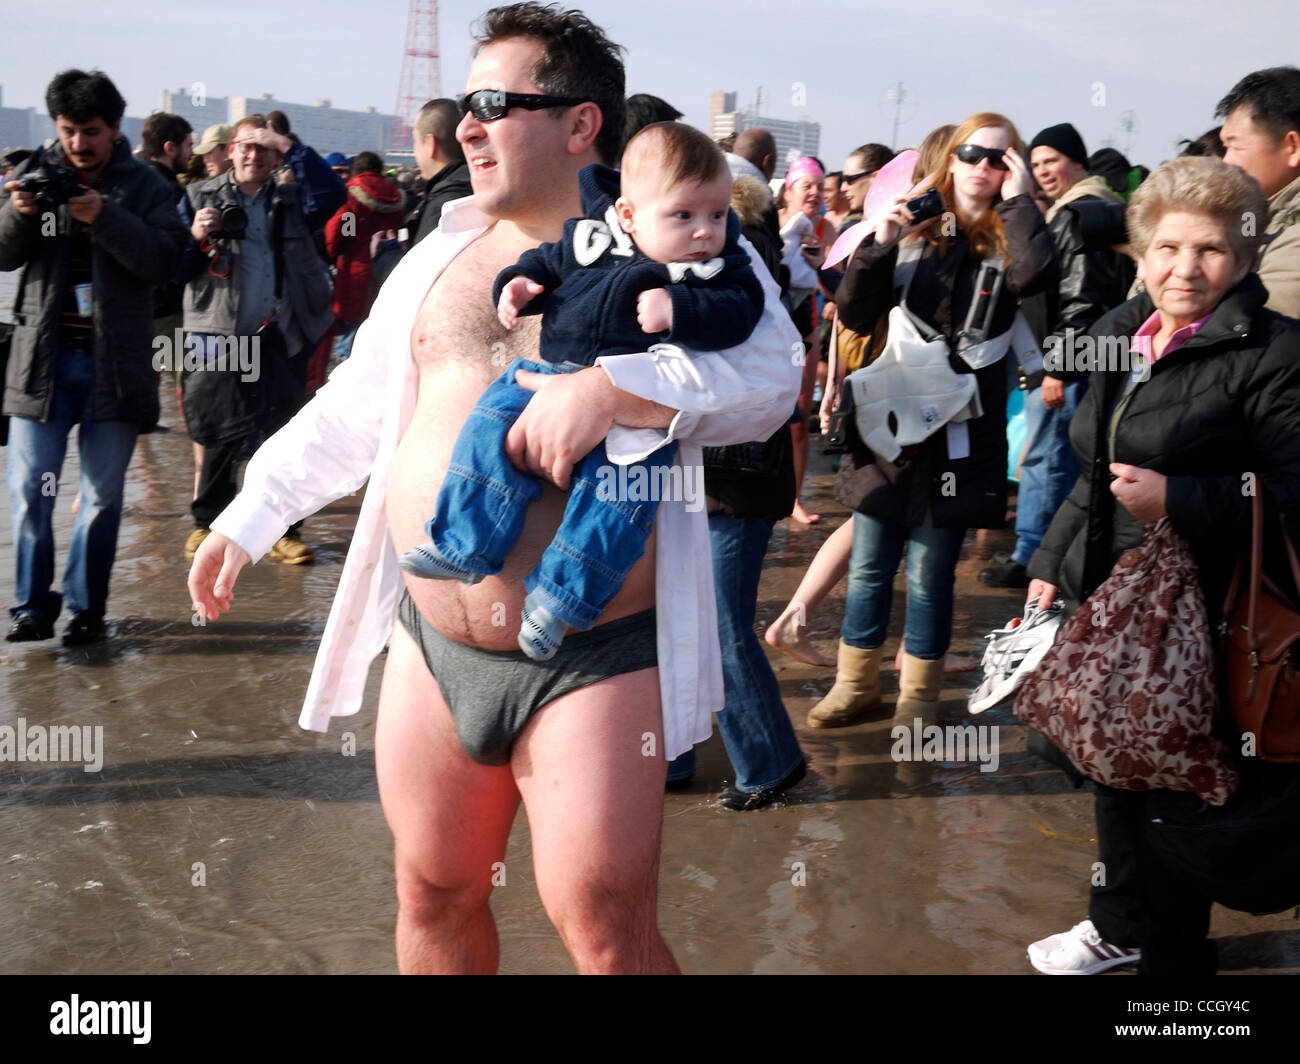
{"x":374,"y":203}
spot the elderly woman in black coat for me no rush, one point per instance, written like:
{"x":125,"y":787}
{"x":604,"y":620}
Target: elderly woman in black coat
{"x":1199,"y":393}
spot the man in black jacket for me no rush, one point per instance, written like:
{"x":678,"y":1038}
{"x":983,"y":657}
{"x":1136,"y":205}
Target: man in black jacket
{"x":82,"y":346}
{"x":446,"y":177}
{"x":442,"y":164}
{"x":169,"y":146}
{"x":1093,"y":281}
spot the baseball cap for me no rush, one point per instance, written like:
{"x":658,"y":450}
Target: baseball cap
{"x":337,"y":158}
{"x":213,"y":137}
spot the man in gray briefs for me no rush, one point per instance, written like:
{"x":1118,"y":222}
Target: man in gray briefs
{"x":455,"y":755}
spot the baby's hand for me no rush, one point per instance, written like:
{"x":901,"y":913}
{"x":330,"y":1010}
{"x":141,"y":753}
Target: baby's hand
{"x":517,"y":293}
{"x":654,"y":311}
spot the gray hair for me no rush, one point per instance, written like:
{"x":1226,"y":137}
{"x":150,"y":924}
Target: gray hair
{"x":1206,"y":186}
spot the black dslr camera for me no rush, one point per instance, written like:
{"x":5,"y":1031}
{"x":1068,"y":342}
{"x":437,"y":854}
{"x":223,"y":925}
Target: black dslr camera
{"x":51,"y":184}
{"x":234,"y":220}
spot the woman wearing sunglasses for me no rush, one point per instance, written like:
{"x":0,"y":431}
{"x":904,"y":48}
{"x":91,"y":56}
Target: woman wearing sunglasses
{"x":956,"y":478}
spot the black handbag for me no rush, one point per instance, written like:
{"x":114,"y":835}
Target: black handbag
{"x":283,"y":379}
{"x":842,"y":431}
{"x":220,"y":406}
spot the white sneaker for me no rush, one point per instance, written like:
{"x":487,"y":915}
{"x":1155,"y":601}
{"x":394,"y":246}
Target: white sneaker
{"x":1079,"y":951}
{"x":1013,"y":653}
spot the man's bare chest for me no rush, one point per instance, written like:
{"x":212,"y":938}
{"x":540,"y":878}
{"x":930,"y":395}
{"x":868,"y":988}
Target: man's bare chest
{"x":458,"y":320}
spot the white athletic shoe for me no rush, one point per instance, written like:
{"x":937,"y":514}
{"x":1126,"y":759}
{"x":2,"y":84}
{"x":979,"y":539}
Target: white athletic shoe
{"x":1079,"y":951}
{"x":1013,"y":653}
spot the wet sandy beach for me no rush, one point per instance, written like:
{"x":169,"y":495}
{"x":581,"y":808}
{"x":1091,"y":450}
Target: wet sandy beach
{"x":219,"y":837}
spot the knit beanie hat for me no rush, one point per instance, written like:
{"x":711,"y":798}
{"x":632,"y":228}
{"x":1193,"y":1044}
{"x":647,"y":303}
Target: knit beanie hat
{"x":1065,"y":139}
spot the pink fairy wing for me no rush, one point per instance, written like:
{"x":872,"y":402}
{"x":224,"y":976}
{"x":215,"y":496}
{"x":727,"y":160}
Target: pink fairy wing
{"x":892,"y":179}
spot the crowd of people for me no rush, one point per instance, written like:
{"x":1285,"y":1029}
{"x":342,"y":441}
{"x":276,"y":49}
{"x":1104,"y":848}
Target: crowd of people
{"x":602,"y":252}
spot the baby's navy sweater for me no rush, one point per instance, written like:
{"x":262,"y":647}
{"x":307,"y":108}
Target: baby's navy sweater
{"x":594,"y":274}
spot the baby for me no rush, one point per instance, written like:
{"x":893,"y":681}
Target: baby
{"x":660,"y":263}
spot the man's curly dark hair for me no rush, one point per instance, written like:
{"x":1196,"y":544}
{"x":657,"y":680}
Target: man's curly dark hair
{"x":578,"y":60}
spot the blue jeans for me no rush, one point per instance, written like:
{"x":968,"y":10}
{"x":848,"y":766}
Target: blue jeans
{"x":931,"y":570}
{"x":1048,"y":470}
{"x":36,"y":451}
{"x":484,"y":499}
{"x":344,"y":333}
{"x":755,"y":726}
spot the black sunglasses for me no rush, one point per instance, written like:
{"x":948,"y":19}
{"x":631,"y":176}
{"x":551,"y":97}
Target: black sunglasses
{"x":971,"y":154}
{"x":487,"y":105}
{"x":849,"y":179}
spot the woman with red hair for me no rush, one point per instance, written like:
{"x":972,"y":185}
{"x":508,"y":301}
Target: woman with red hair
{"x":955,"y":479}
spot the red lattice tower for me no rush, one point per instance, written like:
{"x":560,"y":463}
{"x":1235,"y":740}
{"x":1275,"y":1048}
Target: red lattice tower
{"x":421,"y":78}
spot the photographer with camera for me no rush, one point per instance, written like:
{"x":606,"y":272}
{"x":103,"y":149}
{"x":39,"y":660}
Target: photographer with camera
{"x":258,"y":299}
{"x":1094,"y":279}
{"x":96,"y":231}
{"x":949,"y":267}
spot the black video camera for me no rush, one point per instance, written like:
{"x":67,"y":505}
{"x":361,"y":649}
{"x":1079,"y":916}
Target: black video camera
{"x":234,"y":220}
{"x":51,"y":184}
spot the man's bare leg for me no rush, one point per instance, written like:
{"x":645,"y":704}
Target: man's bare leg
{"x":595,"y":811}
{"x":450,"y":818}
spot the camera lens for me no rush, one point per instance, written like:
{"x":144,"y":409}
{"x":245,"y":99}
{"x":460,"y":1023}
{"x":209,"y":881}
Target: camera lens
{"x":234,"y":220}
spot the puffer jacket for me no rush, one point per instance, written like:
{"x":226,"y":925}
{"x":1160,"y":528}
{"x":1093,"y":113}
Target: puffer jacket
{"x":1224,"y":404}
{"x":136,"y":243}
{"x":374,"y":204}
{"x":968,"y":492}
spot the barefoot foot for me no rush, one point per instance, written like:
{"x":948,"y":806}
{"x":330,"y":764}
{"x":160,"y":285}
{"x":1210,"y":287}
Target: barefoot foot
{"x":787,"y":635}
{"x":803,"y":516}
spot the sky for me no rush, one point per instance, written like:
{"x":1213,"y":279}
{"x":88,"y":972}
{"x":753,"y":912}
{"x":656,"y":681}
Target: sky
{"x":1159,"y":66}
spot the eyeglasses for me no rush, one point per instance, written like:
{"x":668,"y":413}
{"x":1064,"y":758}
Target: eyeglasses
{"x":487,"y":105}
{"x":971,"y":154}
{"x":849,"y":179}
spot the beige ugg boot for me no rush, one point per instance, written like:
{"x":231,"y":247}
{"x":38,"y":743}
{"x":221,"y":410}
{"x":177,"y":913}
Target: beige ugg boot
{"x":918,"y":688}
{"x":856,"y":692}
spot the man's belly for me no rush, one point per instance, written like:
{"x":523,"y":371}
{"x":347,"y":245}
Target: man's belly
{"x":487,"y":614}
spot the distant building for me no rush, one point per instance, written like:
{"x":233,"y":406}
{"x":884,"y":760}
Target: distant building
{"x":793,"y":137}
{"x":19,"y":126}
{"x":197,"y":108}
{"x":133,"y":130}
{"x":26,"y":127}
{"x":321,"y":126}
{"x":324,"y":127}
